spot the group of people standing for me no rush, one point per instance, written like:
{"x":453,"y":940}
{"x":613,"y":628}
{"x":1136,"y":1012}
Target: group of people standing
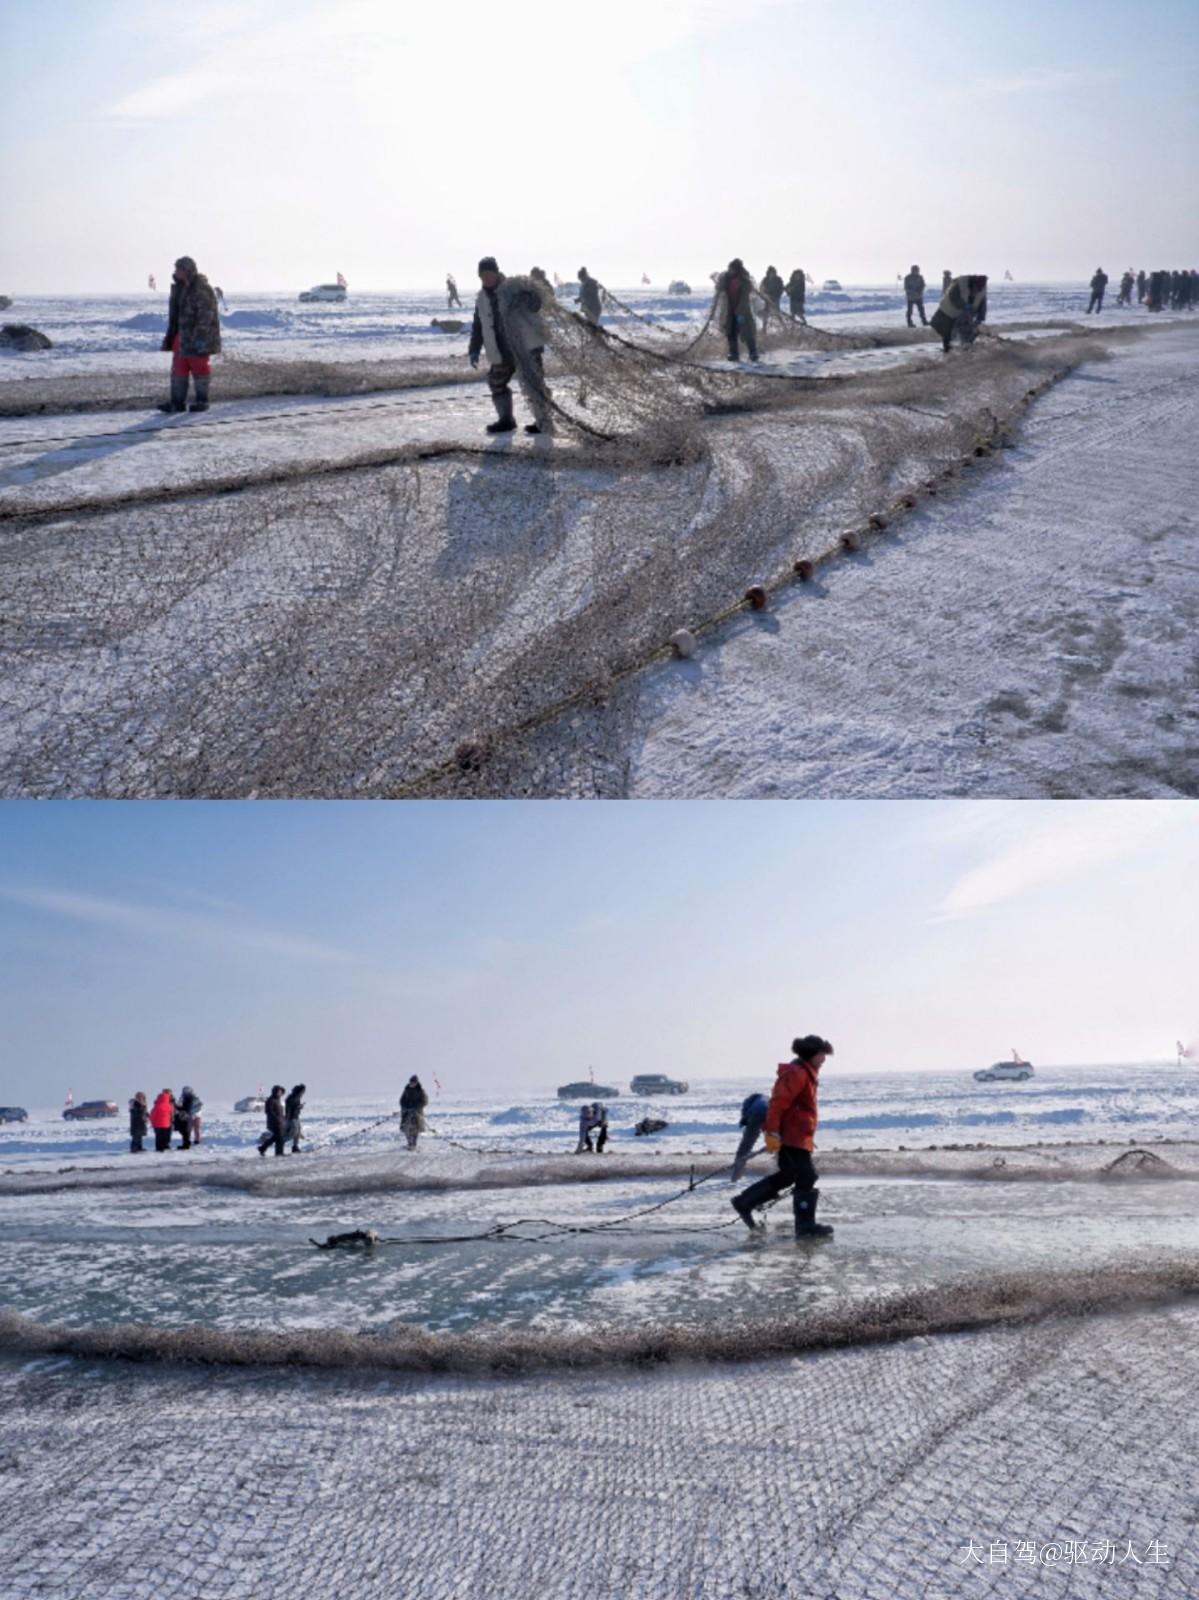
{"x":166,"y":1116}
{"x":1156,"y":291}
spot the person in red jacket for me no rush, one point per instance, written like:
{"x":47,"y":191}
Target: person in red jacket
{"x":790,"y":1128}
{"x":162,"y":1119}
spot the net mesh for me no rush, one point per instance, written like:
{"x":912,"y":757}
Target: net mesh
{"x":409,"y":628}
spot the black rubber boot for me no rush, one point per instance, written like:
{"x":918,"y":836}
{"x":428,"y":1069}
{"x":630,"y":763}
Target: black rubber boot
{"x":178,"y":400}
{"x":756,"y":1195}
{"x":502,"y":425}
{"x":806,"y":1226}
{"x":200,"y":403}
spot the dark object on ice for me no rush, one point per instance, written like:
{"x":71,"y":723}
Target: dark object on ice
{"x":13,"y":1114}
{"x":367,"y":1237}
{"x":17,"y":336}
{"x":471,"y":756}
{"x":677,"y":286}
{"x":649,"y":1125}
{"x":584,"y":1091}
{"x":90,"y":1110}
{"x":805,"y":571}
{"x":448,"y":324}
{"x":1142,"y":1163}
{"x":5,"y":302}
{"x":757,"y":597}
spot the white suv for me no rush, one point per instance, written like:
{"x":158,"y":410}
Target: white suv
{"x":1009,"y":1071}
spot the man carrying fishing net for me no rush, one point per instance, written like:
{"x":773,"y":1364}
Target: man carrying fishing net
{"x":508,"y":325}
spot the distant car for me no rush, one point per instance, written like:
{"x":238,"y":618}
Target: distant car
{"x":91,"y":1110}
{"x":657,"y":1083}
{"x":13,"y":1114}
{"x":587,"y":1091}
{"x":1005,"y":1072}
{"x":325,"y":291}
{"x":250,"y":1102}
{"x":831,"y":286}
{"x":677,"y":286}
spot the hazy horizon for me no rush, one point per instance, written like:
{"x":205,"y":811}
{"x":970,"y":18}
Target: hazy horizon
{"x":383,"y":143}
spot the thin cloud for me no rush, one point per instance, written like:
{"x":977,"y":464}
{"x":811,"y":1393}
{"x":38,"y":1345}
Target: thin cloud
{"x":1035,"y":80}
{"x":1069,"y":841}
{"x":156,"y":922}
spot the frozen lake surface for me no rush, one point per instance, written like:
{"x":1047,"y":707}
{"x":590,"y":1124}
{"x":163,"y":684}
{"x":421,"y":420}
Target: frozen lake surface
{"x":625,"y":1394}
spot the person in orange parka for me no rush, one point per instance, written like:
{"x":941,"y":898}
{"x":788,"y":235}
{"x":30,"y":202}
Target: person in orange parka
{"x":162,"y":1119}
{"x":789,"y":1129}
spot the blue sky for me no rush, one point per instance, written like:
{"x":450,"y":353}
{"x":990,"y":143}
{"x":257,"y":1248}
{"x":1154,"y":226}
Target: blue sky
{"x":508,"y":946}
{"x":282,"y":142}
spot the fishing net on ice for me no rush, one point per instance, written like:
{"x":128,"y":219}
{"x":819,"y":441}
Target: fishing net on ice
{"x":402,"y":627}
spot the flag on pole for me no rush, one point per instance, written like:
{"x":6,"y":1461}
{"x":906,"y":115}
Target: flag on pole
{"x":437,"y":1081}
{"x":341,"y":282}
{"x":70,"y":1100}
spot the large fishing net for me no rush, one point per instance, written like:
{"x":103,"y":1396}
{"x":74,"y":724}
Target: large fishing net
{"x":402,"y":619}
{"x":1049,"y":1456}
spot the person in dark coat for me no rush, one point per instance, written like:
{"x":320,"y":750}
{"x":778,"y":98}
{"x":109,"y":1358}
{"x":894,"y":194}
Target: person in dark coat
{"x":790,"y":1128}
{"x":452,"y":297}
{"x":589,"y":300}
{"x":1142,"y":280}
{"x":412,"y":1110}
{"x":913,"y":288}
{"x":593,"y":1118}
{"x":510,"y":329}
{"x":292,"y":1107}
{"x":753,"y":1115}
{"x":276,"y":1121}
{"x":187,"y":1117}
{"x":772,"y":291}
{"x":733,"y":309}
{"x":1098,"y":285}
{"x":193,"y":335}
{"x":946,"y":279}
{"x":162,"y":1119}
{"x":963,"y":307}
{"x":797,"y":289}
{"x":1124,"y":298}
{"x":139,"y":1122}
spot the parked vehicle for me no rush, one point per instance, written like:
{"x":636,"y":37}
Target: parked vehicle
{"x":91,"y":1110}
{"x":831,"y":286}
{"x":1015,"y":1071}
{"x":13,"y":1114}
{"x":325,"y":291}
{"x":250,"y":1102}
{"x":587,"y":1091}
{"x":657,"y":1083}
{"x":677,"y":286}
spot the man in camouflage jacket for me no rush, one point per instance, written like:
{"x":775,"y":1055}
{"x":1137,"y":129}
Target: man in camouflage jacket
{"x":193,"y":335}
